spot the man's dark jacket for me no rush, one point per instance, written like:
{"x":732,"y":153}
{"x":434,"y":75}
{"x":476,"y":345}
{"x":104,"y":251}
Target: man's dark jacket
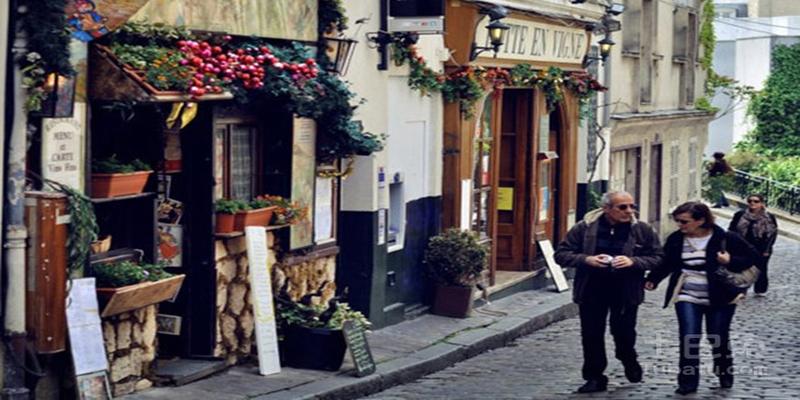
{"x":743,"y":256}
{"x":642,"y":247}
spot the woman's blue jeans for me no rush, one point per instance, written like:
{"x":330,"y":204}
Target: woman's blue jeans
{"x":718,"y":324}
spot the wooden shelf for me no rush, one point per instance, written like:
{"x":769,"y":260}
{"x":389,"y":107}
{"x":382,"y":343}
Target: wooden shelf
{"x":236,"y":234}
{"x":100,"y":200}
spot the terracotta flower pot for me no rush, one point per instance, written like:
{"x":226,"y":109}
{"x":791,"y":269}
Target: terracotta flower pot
{"x":114,"y":185}
{"x":257,"y":217}
{"x":225,"y":222}
{"x":453,"y":301}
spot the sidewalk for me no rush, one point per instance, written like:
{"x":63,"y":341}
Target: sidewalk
{"x":403,"y":353}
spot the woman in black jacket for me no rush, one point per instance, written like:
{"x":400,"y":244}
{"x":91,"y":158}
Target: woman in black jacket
{"x":691,"y":255}
{"x":760,"y":229}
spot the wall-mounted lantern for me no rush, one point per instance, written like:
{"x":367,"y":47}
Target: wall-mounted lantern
{"x":496,"y":29}
{"x":60,"y":90}
{"x":340,"y":51}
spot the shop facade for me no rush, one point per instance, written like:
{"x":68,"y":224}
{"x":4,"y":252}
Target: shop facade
{"x":511,"y":159}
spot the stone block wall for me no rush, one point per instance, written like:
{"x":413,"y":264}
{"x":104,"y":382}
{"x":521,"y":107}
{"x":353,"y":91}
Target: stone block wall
{"x":130,"y":340}
{"x":235,"y":320}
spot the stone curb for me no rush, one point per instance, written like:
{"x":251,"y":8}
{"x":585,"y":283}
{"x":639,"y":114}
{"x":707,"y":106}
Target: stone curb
{"x":464,"y":345}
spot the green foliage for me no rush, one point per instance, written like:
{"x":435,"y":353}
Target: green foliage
{"x":45,"y":25}
{"x":127,"y":273}
{"x":112,"y":165}
{"x":708,"y":39}
{"x":161,"y":65}
{"x":226,"y":206}
{"x":150,"y":34}
{"x":747,"y":156}
{"x":463,"y":87}
{"x":784,"y":170}
{"x":776,"y":109}
{"x":82,"y":227}
{"x":704,"y":104}
{"x":330,"y":316}
{"x":331,"y":17}
{"x":345,"y":313}
{"x":455,"y":258}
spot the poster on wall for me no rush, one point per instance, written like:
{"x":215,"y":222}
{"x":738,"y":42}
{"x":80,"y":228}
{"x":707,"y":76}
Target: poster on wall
{"x":63,"y":149}
{"x":91,"y":19}
{"x":304,"y":174}
{"x":323,"y":211}
{"x":170,"y":244}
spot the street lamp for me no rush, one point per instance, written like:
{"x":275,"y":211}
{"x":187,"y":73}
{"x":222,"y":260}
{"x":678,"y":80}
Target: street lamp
{"x":340,"y":51}
{"x":496,"y":30}
{"x":605,"y":47}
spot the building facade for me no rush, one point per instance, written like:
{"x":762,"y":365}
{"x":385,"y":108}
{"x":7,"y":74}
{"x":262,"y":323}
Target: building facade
{"x":656,"y":134}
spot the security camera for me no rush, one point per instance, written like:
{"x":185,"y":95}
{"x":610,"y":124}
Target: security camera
{"x":616,"y":8}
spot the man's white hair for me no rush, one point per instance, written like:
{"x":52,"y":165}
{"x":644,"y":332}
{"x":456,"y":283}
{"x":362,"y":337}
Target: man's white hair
{"x":606,"y":200}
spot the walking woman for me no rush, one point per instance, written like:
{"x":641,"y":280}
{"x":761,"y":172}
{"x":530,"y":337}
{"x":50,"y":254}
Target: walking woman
{"x":691,"y":255}
{"x":760,"y":229}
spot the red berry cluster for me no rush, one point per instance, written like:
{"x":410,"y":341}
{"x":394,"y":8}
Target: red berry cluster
{"x":216,"y":68}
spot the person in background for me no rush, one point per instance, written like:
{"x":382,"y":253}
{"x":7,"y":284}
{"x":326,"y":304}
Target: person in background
{"x":718,"y":172}
{"x":760,"y":229}
{"x":691,"y":255}
{"x":610,"y":251}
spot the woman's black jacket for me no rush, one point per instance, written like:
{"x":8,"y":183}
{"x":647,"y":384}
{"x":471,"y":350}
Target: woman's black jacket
{"x":743,"y":256}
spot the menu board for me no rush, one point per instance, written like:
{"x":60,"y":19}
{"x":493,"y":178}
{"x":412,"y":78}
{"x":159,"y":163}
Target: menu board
{"x":356,"y":340}
{"x":263,"y":307}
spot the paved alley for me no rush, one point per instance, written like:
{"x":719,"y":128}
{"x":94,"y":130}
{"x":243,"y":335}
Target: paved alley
{"x":547,"y":363}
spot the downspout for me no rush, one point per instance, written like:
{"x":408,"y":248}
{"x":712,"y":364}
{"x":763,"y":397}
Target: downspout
{"x":15,"y":231}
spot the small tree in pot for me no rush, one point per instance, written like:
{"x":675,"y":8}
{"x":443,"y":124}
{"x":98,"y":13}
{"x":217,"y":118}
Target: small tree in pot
{"x":455,"y":260}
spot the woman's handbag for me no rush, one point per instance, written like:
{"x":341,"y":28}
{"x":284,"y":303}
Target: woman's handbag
{"x":736,"y":280}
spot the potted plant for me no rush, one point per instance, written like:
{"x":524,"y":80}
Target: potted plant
{"x":454,"y":260}
{"x":128,"y":285}
{"x":226,"y":214}
{"x":112,"y":178}
{"x":285,"y":212}
{"x":311,"y":336}
{"x":256,"y":213}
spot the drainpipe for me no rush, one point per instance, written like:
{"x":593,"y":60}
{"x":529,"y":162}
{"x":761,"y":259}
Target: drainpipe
{"x":15,"y":231}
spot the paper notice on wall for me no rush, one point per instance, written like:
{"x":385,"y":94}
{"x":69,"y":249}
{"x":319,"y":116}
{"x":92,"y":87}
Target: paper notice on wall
{"x":263,"y":307}
{"x":466,"y":204}
{"x":85,"y":332}
{"x":381,"y":226}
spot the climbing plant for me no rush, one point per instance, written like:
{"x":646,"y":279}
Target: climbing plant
{"x":708,"y":40}
{"x":776,"y":109}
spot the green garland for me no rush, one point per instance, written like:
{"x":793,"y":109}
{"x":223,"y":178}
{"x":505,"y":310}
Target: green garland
{"x":468,"y":84}
{"x":82,"y":227}
{"x":45,"y":26}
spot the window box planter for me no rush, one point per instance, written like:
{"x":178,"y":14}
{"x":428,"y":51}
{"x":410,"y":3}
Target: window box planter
{"x":115,"y":301}
{"x":313,"y":348}
{"x":257,"y":217}
{"x":453,"y":301}
{"x":225,"y":223}
{"x":120,"y":184}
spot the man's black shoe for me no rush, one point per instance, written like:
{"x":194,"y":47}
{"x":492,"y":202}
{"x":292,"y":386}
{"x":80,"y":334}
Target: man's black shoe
{"x":685,"y":389}
{"x":726,"y":381}
{"x":633,"y":371}
{"x":593,"y":386}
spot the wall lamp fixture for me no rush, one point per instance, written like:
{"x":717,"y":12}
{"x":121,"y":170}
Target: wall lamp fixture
{"x":605,"y":49}
{"x":496,"y":30}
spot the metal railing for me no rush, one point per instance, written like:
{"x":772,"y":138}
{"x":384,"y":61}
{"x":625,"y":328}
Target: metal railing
{"x":778,"y":195}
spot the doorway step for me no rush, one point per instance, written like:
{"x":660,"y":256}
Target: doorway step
{"x":180,"y":371}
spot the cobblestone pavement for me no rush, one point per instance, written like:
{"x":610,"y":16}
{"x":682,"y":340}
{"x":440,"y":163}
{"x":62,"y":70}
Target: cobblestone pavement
{"x":547,"y":363}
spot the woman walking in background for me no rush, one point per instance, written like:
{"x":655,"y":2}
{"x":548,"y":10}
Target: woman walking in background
{"x":760,"y":229}
{"x":691,"y":255}
{"x":719,"y":172}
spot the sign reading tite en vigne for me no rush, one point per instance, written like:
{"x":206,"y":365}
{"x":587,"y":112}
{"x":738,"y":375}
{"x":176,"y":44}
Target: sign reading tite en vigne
{"x":537,"y":42}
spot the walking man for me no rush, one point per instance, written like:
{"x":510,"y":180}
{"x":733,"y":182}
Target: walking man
{"x":610,"y":251}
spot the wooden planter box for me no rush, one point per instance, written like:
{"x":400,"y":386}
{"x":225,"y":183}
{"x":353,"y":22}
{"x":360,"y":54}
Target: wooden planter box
{"x":224,"y":223}
{"x":127,"y":298}
{"x":257,"y":217}
{"x":314,"y":348}
{"x":114,"y":185}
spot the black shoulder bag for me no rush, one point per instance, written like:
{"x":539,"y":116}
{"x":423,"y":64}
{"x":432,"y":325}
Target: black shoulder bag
{"x":736,"y":280}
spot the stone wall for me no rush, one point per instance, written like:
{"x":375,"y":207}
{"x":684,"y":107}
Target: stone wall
{"x":130,"y":340}
{"x":235,"y":321}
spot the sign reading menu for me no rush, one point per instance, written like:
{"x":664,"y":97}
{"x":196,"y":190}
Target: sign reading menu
{"x":359,"y":348}
{"x":535,"y":41}
{"x":62,"y":148}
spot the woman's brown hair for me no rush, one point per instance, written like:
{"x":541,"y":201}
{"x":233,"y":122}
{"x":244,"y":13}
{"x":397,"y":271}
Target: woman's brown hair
{"x":697,"y":210}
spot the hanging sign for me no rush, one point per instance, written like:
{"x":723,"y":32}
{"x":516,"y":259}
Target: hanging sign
{"x":535,"y":41}
{"x":263,"y":307}
{"x":62,"y":149}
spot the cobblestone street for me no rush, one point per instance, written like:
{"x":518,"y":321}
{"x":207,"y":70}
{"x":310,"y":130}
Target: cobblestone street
{"x":547,"y":364}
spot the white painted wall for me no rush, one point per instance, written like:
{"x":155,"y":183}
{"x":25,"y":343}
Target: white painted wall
{"x":412,"y":122}
{"x":752,"y":68}
{"x":720,"y":131}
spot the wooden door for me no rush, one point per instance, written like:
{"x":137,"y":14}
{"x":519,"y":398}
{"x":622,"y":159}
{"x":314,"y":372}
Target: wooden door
{"x":513,"y":179}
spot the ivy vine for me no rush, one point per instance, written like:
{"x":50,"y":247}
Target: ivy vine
{"x":776,"y":108}
{"x":48,"y":38}
{"x":82,"y":227}
{"x":707,"y":37}
{"x":466,"y":85}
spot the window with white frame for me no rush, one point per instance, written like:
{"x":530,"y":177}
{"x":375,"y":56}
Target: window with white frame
{"x":674,"y":168}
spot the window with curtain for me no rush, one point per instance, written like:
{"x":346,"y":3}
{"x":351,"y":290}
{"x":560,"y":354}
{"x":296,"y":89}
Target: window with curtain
{"x":237,"y":159}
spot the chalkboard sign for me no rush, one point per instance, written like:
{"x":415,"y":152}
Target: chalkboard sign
{"x":359,"y":348}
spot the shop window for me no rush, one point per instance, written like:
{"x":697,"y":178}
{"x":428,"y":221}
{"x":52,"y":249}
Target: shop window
{"x":397,"y":215}
{"x":482,"y":174}
{"x":238,"y":161}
